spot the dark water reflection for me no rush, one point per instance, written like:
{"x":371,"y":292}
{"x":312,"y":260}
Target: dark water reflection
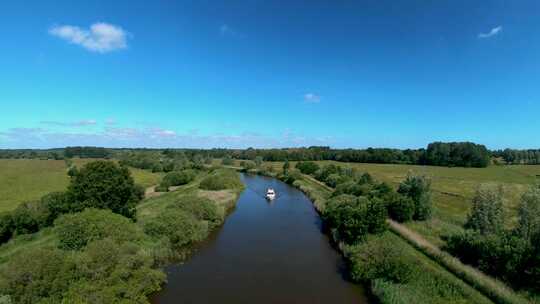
{"x":265,"y":253}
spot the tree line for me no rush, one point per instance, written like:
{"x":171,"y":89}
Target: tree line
{"x":449,"y":154}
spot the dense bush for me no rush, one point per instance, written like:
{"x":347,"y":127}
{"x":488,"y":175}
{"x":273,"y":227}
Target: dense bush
{"x":487,"y":210}
{"x":29,"y":217}
{"x":76,"y":230}
{"x":6,"y":227}
{"x":202,"y":208}
{"x":379,"y":258}
{"x":178,"y":178}
{"x":105,"y":272}
{"x":352,"y":218}
{"x":401,"y":208}
{"x":418,"y":189}
{"x":307,"y":167}
{"x":181,"y":228}
{"x":504,"y":256}
{"x":104,"y":185}
{"x":221,"y":180}
{"x":529,"y":214}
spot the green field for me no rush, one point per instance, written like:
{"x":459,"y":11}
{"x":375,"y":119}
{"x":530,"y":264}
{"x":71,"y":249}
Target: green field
{"x":453,"y":189}
{"x":29,"y":179}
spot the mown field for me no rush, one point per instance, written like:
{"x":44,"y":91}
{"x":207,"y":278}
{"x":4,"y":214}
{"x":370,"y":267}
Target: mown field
{"x":29,"y":179}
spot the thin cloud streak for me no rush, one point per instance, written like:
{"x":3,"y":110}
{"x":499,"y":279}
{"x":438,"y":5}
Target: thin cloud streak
{"x":494,"y":31}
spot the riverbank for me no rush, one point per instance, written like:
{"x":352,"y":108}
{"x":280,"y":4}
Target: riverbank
{"x":167,"y":227}
{"x":271,"y":248}
{"x":430,"y":282}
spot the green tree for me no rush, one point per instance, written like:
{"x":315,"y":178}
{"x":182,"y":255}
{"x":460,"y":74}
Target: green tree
{"x":418,"y":189}
{"x":487,"y":210}
{"x":529,"y":214}
{"x":286,"y":167}
{"x":76,"y":230}
{"x":104,"y":185}
{"x":258,"y":161}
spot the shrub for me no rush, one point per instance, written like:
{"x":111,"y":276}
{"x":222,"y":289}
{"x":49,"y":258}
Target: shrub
{"x":105,"y":272}
{"x":29,"y":217}
{"x":307,"y":167}
{"x":109,"y":272}
{"x":227,"y":161}
{"x":529,"y":214}
{"x":180,"y":227}
{"x":401,"y":208}
{"x":105,"y":185}
{"x":487,"y":210}
{"x":202,"y":208}
{"x":504,"y":256}
{"x":221,"y":180}
{"x":57,"y":204}
{"x":75,"y":231}
{"x":178,"y":178}
{"x":379,"y":258}
{"x":6,"y":227}
{"x":35,"y":275}
{"x":418,"y":189}
{"x":351,"y":218}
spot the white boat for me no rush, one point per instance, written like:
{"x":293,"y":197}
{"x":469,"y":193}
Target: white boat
{"x":270,"y":194}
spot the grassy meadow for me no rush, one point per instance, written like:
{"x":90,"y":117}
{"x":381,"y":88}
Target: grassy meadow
{"x":29,"y":179}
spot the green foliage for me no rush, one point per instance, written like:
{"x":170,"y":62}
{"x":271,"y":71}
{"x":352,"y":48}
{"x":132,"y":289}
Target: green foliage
{"x":307,"y":167}
{"x":487,"y":210}
{"x":201,"y":208}
{"x":56,"y":204}
{"x":529,"y":214}
{"x":462,"y":154}
{"x":227,"y":161}
{"x":379,"y":258}
{"x":352,"y":218}
{"x":401,"y":208}
{"x":418,"y":189}
{"x":258,"y":161}
{"x":105,"y":185}
{"x":221,"y":180}
{"x":29,"y":217}
{"x":178,"y":178}
{"x":108,"y":272}
{"x":86,"y":152}
{"x":180,"y":227}
{"x":75,"y":231}
{"x":36,"y":275}
{"x":6,"y":227}
{"x":505,"y":256}
{"x":104,"y":272}
{"x":286,"y":167}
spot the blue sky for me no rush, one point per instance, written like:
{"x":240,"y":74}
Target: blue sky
{"x":269,"y":73}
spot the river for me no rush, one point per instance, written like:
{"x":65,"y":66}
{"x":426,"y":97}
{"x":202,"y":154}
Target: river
{"x":266,"y":252}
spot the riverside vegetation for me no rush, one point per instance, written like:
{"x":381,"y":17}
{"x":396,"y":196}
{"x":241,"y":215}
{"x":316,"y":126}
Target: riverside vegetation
{"x":395,"y":271}
{"x":446,"y":208}
{"x":97,"y":242}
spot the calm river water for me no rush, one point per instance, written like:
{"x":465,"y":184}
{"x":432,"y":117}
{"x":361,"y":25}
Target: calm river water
{"x":266,"y":252}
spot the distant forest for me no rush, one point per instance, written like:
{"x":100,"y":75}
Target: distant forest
{"x":452,"y":154}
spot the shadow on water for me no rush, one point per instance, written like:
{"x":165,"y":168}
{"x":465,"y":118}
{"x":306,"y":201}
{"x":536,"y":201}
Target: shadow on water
{"x":266,"y":252}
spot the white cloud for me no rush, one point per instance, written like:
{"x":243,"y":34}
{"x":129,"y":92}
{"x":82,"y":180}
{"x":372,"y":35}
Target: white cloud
{"x":100,"y":37}
{"x":226,"y":30}
{"x":312,"y":98}
{"x":494,"y":31}
{"x":81,"y":123}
